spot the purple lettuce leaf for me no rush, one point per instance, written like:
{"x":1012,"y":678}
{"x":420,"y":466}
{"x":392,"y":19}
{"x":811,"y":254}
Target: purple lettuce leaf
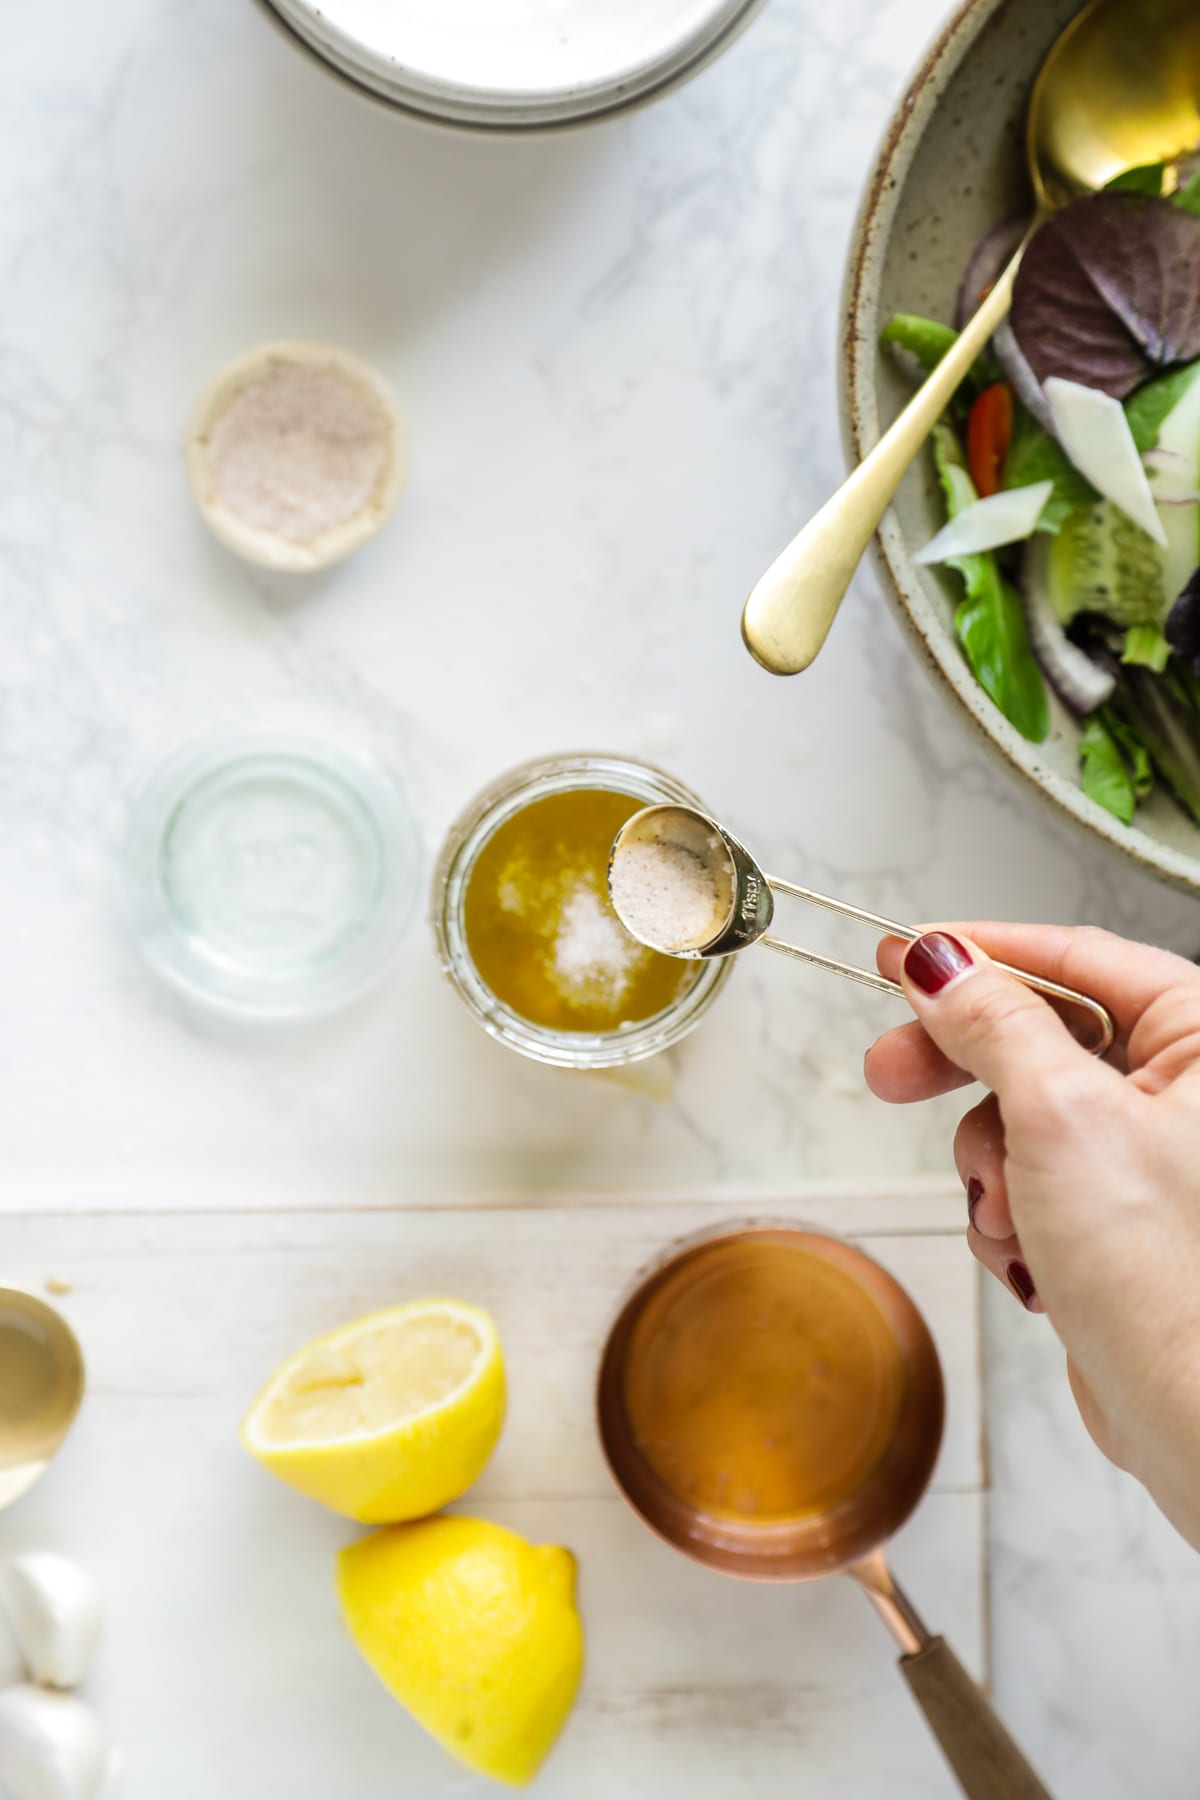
{"x":1109,"y":292}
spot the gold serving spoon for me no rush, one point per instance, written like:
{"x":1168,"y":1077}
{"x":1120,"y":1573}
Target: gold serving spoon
{"x":1120,"y":88}
{"x":734,"y":907}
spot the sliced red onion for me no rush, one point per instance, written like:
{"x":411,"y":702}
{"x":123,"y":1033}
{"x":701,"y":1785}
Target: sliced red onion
{"x":1082,"y":683}
{"x":987,"y":259}
{"x":1026,"y":386}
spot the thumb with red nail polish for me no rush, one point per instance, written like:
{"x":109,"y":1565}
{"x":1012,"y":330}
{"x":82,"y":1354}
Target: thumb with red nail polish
{"x":988,"y":1023}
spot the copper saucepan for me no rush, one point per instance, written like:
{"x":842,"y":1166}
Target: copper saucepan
{"x":894,"y":1353}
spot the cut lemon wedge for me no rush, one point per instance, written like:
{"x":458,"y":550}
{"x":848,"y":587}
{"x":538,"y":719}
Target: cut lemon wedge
{"x":386,"y":1419}
{"x":474,"y":1630}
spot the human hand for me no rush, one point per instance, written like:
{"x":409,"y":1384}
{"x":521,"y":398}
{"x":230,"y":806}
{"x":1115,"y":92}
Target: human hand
{"x":1082,"y":1176}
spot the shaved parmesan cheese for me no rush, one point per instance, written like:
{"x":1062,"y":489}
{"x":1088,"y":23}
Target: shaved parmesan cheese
{"x":1094,"y":432}
{"x":1004,"y":518}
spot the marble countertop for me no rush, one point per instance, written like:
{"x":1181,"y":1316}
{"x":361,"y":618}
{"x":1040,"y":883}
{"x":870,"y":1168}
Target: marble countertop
{"x":616,"y":350}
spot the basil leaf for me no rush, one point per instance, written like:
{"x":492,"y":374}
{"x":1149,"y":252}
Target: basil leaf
{"x":1034,"y":456}
{"x":990,"y":620}
{"x":1103,"y":775}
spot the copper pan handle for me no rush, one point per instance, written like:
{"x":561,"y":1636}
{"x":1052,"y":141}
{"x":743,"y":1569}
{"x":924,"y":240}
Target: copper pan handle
{"x":988,"y":1764}
{"x":984,"y":1758}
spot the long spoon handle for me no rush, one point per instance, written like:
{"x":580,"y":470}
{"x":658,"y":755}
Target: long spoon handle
{"x":792,"y":606}
{"x":1091,"y":1023}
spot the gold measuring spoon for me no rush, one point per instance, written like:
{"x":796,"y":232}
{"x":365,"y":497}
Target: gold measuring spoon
{"x":41,"y":1386}
{"x":722,"y":902}
{"x":824,"y":1430}
{"x":1119,"y":88}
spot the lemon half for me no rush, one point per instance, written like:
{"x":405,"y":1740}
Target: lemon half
{"x":475,"y":1631}
{"x":389,"y":1418}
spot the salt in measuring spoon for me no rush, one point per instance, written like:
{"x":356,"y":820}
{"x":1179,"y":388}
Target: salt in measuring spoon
{"x":721,"y":902}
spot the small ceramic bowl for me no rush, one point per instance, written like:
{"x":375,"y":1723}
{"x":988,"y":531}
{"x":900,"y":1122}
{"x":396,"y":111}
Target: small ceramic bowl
{"x":251,"y":539}
{"x":952,"y":165}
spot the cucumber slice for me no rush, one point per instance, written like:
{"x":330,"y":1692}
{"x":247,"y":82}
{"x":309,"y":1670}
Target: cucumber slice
{"x":1100,"y":562}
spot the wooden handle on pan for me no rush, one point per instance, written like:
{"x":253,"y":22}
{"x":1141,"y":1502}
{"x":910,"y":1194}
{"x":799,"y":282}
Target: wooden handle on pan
{"x":987,"y":1762}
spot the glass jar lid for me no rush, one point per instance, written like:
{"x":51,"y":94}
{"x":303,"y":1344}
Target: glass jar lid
{"x":271,"y":878}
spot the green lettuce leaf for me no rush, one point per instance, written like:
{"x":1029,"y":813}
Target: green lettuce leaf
{"x":990,"y":619}
{"x":924,"y":339}
{"x":1189,"y":194}
{"x":1150,"y":404}
{"x":1135,"y":753}
{"x":1034,"y":456}
{"x":1146,"y":647}
{"x":1103,"y":774}
{"x":1147,"y":178}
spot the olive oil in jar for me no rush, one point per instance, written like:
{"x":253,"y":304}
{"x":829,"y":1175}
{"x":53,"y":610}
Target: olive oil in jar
{"x":540,"y":928}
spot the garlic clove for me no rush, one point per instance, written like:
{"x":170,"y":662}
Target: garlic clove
{"x":53,"y":1608}
{"x":51,"y":1747}
{"x":12,"y":1663}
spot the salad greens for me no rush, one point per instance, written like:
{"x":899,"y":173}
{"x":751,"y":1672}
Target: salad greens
{"x":1147,"y":178}
{"x":1104,"y":774}
{"x":1033,"y":455}
{"x":924,"y":339}
{"x":1102,"y":601}
{"x":990,"y":619}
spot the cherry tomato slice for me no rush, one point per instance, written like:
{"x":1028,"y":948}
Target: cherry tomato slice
{"x":989,"y":433}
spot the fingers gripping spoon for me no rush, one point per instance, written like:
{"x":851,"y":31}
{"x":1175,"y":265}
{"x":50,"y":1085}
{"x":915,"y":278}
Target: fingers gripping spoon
{"x":684,"y":886}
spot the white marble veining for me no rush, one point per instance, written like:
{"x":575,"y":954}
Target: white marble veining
{"x":616,"y":349}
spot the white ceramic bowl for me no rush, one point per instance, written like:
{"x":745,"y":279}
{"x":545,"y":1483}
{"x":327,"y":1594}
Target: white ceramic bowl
{"x":515,"y":64}
{"x":951,"y":166}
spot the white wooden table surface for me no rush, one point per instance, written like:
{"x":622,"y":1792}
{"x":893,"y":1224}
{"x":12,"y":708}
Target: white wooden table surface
{"x":225,"y":1668}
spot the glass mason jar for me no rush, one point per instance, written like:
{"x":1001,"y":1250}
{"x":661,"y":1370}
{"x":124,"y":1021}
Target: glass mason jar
{"x":509,"y":795}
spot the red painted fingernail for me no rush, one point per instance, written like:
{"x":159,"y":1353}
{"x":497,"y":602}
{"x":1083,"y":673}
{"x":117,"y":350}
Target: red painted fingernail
{"x":1021,"y":1282}
{"x":974,"y":1196}
{"x":934,"y":960}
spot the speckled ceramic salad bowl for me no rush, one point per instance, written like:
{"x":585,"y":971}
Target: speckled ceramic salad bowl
{"x":952,"y":166}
